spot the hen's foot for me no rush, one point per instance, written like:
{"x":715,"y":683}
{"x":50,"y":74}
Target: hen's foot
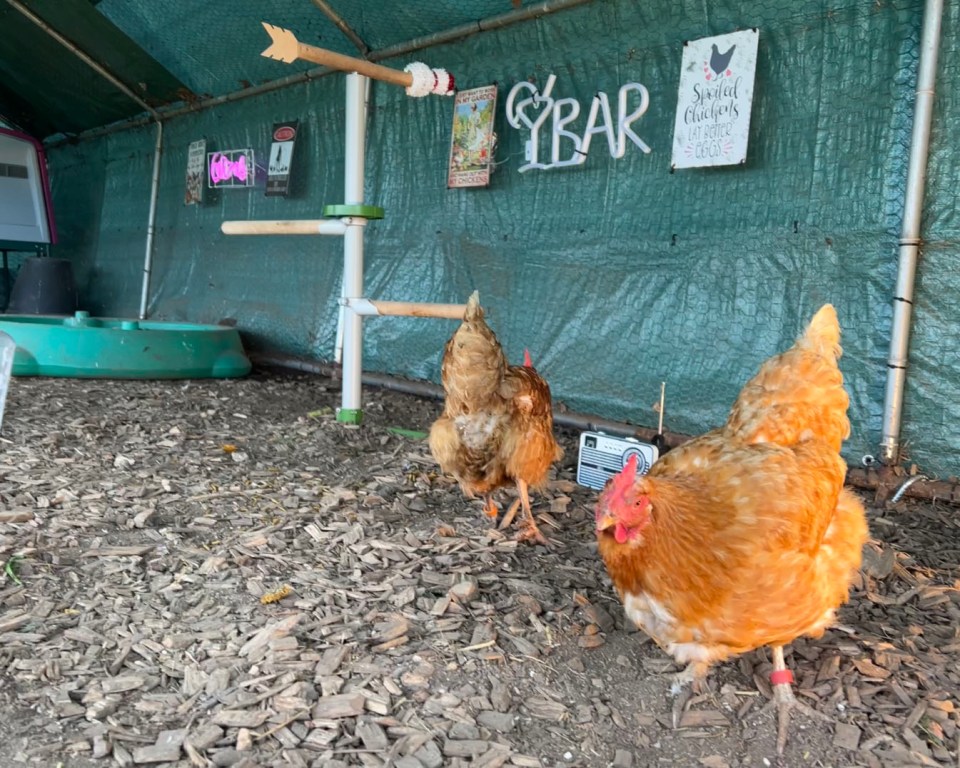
{"x":490,"y":508}
{"x":530,"y":531}
{"x":695,"y":675}
{"x":786,"y":704}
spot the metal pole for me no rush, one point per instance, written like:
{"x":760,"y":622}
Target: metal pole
{"x":151,"y":223}
{"x":351,"y":409}
{"x":910,"y":233}
{"x":347,"y":30}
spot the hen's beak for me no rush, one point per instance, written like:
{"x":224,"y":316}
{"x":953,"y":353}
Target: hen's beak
{"x":605,"y":520}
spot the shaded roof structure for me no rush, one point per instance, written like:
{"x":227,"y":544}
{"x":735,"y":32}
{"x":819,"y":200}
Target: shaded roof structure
{"x":69,"y":66}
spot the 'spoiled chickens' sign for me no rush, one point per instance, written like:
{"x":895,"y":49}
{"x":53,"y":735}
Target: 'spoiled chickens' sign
{"x":716,"y":94}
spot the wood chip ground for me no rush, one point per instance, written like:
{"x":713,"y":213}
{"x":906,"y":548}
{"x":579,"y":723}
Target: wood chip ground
{"x":217,"y":573}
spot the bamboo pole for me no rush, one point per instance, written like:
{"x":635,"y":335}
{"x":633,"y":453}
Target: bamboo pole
{"x":286,"y":48}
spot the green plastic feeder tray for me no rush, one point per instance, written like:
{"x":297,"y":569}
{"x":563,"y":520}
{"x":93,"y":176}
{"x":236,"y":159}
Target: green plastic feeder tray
{"x":110,"y":348}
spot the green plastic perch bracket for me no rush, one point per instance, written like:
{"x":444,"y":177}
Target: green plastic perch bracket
{"x":360,"y":211}
{"x":349,"y":415}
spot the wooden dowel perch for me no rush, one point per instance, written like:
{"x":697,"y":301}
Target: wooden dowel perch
{"x":417,"y":78}
{"x":292,"y":227}
{"x":406,"y":308}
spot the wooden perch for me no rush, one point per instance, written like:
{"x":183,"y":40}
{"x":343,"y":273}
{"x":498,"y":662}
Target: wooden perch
{"x":419,"y":81}
{"x":293,"y":227}
{"x":406,"y":308}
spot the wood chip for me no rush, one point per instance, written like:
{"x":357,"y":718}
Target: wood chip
{"x":118,"y":552}
{"x":846,"y":736}
{"x":335,"y":707}
{"x":703,"y":718}
{"x":869,"y":669}
{"x":241,"y":718}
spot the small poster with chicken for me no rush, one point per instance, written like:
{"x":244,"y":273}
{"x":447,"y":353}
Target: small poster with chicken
{"x":473,"y":140}
{"x":195,"y":155}
{"x":716,"y":95}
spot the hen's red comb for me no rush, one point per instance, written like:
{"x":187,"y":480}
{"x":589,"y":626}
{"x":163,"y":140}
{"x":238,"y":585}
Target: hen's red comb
{"x":625,"y":480}
{"x":527,"y":362}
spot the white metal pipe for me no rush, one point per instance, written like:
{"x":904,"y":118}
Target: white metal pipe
{"x":151,"y":223}
{"x":910,"y":232}
{"x":353,"y":171}
{"x":291,"y":227}
{"x":342,"y":310}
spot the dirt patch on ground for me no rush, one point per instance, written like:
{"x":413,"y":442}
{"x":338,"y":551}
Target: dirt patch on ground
{"x":143,"y":525}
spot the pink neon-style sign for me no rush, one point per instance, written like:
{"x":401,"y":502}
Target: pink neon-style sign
{"x":224,"y":169}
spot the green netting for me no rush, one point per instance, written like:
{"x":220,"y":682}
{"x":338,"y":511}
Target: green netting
{"x":215,"y":51}
{"x":46,"y":88}
{"x":616,"y":274}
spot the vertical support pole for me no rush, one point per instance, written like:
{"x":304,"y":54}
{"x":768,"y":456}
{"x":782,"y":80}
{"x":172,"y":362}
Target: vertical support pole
{"x":890,"y":443}
{"x":351,"y":409}
{"x":151,"y":224}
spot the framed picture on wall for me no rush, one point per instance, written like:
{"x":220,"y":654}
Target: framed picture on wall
{"x":473,"y":140}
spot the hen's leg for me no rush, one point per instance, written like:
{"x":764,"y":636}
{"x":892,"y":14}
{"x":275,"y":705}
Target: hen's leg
{"x":530,"y":530}
{"x":783,"y":699}
{"x":490,"y":506}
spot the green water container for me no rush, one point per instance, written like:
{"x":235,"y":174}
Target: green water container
{"x":82,"y":346}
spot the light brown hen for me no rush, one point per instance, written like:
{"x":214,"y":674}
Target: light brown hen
{"x":497,"y":423}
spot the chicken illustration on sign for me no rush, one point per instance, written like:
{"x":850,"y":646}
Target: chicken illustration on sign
{"x":533,"y":111}
{"x":713,"y":107}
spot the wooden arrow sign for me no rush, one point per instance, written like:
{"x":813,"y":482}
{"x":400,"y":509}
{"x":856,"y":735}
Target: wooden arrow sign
{"x":418,"y":79}
{"x":286,"y":48}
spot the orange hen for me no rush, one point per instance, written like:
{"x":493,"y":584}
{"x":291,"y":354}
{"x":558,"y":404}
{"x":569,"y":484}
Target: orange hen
{"x":744,"y":536}
{"x":497,"y":421}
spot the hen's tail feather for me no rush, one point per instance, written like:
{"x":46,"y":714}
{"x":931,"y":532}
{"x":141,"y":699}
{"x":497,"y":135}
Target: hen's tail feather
{"x":474,"y":311}
{"x":823,"y":333}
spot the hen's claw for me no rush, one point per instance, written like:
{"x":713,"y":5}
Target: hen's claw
{"x":786,"y":703}
{"x":531,"y":531}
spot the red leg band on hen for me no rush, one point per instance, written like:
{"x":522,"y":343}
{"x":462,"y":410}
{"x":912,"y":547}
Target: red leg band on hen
{"x":781,"y":676}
